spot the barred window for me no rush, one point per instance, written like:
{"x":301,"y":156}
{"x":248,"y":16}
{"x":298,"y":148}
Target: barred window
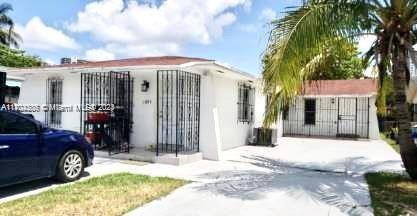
{"x":53,"y":99}
{"x":245,"y":103}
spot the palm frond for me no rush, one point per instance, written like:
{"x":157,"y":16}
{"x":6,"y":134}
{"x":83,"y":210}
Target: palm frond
{"x":5,"y":7}
{"x":298,"y":38}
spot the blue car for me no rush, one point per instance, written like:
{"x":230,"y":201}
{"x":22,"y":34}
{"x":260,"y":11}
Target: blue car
{"x":29,"y":151}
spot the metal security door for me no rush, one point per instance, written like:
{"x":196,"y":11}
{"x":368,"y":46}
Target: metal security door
{"x":178,"y":102}
{"x":347,"y":117}
{"x":111,"y":95}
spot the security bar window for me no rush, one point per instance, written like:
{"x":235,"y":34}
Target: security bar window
{"x":310,"y":111}
{"x":53,"y":115}
{"x":245,"y":103}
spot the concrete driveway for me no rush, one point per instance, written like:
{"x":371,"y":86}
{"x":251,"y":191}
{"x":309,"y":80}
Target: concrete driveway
{"x":301,"y":176}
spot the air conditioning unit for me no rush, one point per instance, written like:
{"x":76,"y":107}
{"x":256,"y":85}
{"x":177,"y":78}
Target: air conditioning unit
{"x":263,"y":137}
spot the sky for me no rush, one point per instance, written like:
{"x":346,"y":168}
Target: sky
{"x":233,"y":32}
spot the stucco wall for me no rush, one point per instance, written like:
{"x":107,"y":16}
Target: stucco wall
{"x":144,"y":110}
{"x":233,"y":132}
{"x":33,"y":91}
{"x":71,"y":93}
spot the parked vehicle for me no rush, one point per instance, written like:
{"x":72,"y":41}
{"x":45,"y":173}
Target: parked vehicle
{"x":29,"y":151}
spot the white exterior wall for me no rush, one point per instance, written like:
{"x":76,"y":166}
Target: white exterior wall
{"x":373,"y":119}
{"x":219,"y":126}
{"x":260,"y":105}
{"x":33,"y":91}
{"x":210,"y":133}
{"x":71,"y":93}
{"x":233,"y":133}
{"x":144,"y":110}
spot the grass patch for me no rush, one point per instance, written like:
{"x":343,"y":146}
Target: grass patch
{"x":390,"y":142}
{"x":392,"y":194}
{"x":114,"y":194}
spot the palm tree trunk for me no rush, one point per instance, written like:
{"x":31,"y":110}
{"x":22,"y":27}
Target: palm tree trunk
{"x":408,"y":149}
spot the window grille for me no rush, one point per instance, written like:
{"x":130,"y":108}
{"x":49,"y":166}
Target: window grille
{"x":53,"y":115}
{"x":245,"y":103}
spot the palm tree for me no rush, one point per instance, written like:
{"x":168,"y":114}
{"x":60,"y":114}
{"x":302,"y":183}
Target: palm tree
{"x":8,"y":36}
{"x":297,"y":44}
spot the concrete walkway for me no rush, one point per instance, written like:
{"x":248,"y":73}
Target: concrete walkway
{"x":301,"y":176}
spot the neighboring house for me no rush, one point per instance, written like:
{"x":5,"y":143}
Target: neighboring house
{"x":172,"y":104}
{"x":9,"y":87}
{"x":334,"y":108}
{"x":11,"y":94}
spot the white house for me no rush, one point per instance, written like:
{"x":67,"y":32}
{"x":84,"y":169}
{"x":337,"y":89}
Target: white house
{"x":334,"y":108}
{"x":171,"y":104}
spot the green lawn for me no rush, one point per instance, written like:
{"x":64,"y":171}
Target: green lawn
{"x":392,"y":194}
{"x":107,"y":195}
{"x":390,"y":142}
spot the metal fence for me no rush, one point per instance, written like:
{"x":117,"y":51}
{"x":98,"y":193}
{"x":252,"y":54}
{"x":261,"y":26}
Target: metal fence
{"x":178,"y":102}
{"x":108,"y":95}
{"x":332,"y":117}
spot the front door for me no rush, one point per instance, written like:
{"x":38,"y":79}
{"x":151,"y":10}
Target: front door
{"x":19,"y":149}
{"x":347,"y":117}
{"x":178,"y":102}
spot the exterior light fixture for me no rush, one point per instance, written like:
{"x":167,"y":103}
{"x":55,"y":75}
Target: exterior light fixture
{"x":145,"y":86}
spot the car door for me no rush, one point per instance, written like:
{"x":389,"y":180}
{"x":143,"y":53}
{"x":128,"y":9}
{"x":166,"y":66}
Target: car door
{"x":19,"y":148}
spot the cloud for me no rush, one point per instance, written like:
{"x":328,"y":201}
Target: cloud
{"x":98,"y":55}
{"x":136,"y":28}
{"x":268,"y":15}
{"x":37,"y":35}
{"x":247,"y":6}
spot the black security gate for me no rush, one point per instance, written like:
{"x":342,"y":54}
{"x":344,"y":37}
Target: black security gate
{"x":360,"y":128}
{"x":178,"y":102}
{"x":328,"y":117}
{"x":107,"y":100}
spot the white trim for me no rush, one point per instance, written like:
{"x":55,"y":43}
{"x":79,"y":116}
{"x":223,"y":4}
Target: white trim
{"x":15,"y":78}
{"x":79,"y":69}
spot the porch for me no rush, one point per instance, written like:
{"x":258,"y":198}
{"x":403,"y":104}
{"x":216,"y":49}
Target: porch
{"x":166,"y":114}
{"x":142,"y":154}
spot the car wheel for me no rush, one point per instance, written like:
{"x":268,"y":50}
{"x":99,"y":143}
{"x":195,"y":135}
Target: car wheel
{"x":71,"y":166}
